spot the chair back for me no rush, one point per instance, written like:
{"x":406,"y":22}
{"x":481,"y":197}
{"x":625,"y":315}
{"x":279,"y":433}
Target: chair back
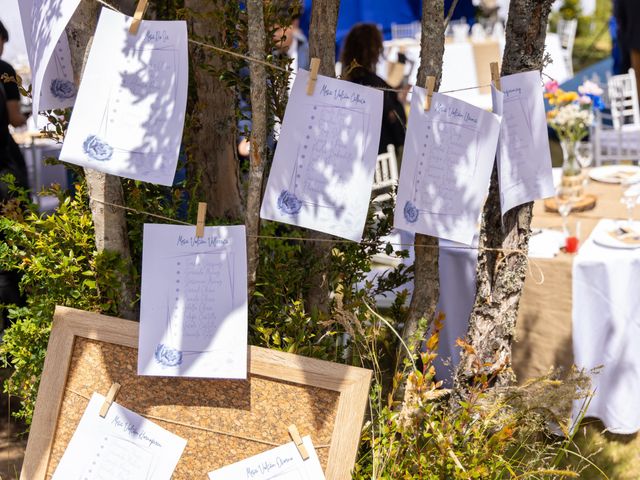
{"x":405,"y":30}
{"x":567,"y":33}
{"x":386,"y":175}
{"x":623,"y":97}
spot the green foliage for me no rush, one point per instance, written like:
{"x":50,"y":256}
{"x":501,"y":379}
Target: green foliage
{"x":58,"y":263}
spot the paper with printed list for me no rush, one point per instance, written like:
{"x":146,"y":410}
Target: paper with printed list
{"x":282,"y":463}
{"x":323,"y":168}
{"x":446,"y":167}
{"x":524,"y":158}
{"x":130,"y":110}
{"x":121,"y":446}
{"x":52,"y":79}
{"x":193,"y":305}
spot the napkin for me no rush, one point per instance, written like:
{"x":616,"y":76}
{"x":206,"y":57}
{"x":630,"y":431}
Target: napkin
{"x":545,"y":243}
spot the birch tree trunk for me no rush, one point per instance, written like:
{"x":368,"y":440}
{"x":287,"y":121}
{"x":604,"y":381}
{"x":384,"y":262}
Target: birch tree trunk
{"x":500,"y":277}
{"x":426,"y":276}
{"x":322,"y":44}
{"x":258,"y":152}
{"x":212,"y":134}
{"x":109,"y":222}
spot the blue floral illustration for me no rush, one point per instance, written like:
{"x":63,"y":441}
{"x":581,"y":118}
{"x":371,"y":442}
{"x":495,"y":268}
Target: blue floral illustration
{"x":61,"y":88}
{"x":97,"y":149}
{"x":410,"y":212}
{"x":289,"y":203}
{"x":167,"y":356}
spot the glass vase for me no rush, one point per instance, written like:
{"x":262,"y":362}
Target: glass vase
{"x":572,"y":177}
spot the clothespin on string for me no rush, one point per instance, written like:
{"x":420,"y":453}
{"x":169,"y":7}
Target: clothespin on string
{"x":202,"y":213}
{"x":109,"y":399}
{"x":431,"y":85}
{"x":295,"y":436}
{"x":495,"y":75}
{"x":137,"y":17}
{"x":313,"y":75}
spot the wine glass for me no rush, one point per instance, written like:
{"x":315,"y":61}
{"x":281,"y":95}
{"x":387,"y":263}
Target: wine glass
{"x":630,"y":197}
{"x":565,"y":204}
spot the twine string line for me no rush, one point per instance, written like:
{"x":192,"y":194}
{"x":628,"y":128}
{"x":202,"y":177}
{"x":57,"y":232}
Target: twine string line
{"x":285,"y":70}
{"x":505,"y":251}
{"x":198,"y":427}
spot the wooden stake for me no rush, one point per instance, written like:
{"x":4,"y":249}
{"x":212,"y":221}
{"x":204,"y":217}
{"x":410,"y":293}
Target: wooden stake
{"x":202,"y":214}
{"x":495,"y":75}
{"x":313,"y":75}
{"x":295,"y":436}
{"x":137,"y":17}
{"x":109,"y":399}
{"x":431,"y":84}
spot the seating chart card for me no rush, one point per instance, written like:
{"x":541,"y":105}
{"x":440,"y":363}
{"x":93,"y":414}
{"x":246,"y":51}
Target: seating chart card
{"x":121,"y":446}
{"x":282,"y":463}
{"x":193,"y":306}
{"x":324,"y":163}
{"x":130,"y":111}
{"x":524,"y":158}
{"x":446,"y":167}
{"x":44,"y":23}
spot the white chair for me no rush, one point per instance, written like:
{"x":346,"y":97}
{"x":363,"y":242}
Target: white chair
{"x":567,"y":33}
{"x":386,"y":175}
{"x":405,"y":30}
{"x":621,"y":142}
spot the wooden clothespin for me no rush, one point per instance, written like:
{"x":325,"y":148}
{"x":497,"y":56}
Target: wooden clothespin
{"x":495,"y":75}
{"x":202,"y":213}
{"x":313,"y":75}
{"x":137,"y":17}
{"x":431,"y":84}
{"x":295,"y":436}
{"x":109,"y":399}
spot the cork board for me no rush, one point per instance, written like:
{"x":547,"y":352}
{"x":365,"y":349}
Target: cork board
{"x":223,"y":421}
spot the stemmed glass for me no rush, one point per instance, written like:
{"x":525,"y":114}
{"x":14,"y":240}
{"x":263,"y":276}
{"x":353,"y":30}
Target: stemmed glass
{"x":565,"y":204}
{"x":630,"y":197}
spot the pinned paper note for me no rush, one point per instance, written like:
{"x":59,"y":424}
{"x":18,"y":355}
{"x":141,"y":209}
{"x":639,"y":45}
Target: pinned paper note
{"x":282,"y":463}
{"x":323,"y":167}
{"x":130,"y":111}
{"x":193,"y":306}
{"x":524,"y":158}
{"x":52,"y":79}
{"x":122,"y":445}
{"x":446,"y":167}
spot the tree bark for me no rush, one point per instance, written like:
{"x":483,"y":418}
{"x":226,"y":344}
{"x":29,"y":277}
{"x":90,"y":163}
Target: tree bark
{"x":258,"y":138}
{"x":109,"y":222}
{"x":500,"y":277}
{"x":426,"y":275}
{"x":212,"y":134}
{"x":322,"y":44}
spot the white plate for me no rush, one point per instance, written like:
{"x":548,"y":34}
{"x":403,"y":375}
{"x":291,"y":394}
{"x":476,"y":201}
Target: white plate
{"x":608,"y":173}
{"x":603,"y":239}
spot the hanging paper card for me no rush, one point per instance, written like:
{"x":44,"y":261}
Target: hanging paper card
{"x":323,"y":167}
{"x":43,"y":23}
{"x":193,"y":306}
{"x":446,"y":167}
{"x":524,"y":158}
{"x":129,"y":115}
{"x":282,"y":463}
{"x":122,"y":445}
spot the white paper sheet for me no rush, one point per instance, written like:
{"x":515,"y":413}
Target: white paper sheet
{"x":129,"y":115}
{"x":121,"y":446}
{"x":193,"y":306}
{"x":324,"y":163}
{"x":44,"y":23}
{"x":524,"y":158}
{"x":446,"y":167}
{"x":282,"y":463}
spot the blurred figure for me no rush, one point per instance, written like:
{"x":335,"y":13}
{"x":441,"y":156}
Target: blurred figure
{"x":360,"y":53}
{"x":627,"y":14}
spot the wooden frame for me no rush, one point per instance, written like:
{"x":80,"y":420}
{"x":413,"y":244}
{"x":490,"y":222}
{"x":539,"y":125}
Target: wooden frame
{"x":351,"y":383}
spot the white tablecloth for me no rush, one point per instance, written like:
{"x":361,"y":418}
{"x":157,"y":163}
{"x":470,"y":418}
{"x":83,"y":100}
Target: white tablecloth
{"x":606,"y":329}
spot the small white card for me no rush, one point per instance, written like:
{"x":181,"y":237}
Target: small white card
{"x":323,"y":168}
{"x":52,"y":79}
{"x":446,"y":167}
{"x":121,"y":446}
{"x":130,"y":111}
{"x":193,"y":305}
{"x":283,"y":463}
{"x":524,"y":158}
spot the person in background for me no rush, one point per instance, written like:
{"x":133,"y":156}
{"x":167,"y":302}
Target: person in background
{"x":11,"y":162}
{"x":627,"y":14}
{"x":360,"y":53}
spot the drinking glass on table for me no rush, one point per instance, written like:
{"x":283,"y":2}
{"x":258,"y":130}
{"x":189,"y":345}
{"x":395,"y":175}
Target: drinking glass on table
{"x":565,"y":204}
{"x":630,"y":197}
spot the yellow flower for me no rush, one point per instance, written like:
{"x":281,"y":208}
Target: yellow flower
{"x":551,"y":114}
